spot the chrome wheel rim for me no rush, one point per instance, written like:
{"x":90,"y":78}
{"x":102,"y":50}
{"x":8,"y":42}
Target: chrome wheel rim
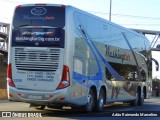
{"x":89,"y":101}
{"x":101,"y":101}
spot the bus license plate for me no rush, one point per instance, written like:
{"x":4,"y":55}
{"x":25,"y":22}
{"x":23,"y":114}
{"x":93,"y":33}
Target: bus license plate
{"x":35,"y":97}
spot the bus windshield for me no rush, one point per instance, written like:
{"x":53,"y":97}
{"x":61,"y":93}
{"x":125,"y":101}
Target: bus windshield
{"x":38,"y":26}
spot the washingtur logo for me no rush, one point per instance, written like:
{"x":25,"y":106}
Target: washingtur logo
{"x":38,"y":11}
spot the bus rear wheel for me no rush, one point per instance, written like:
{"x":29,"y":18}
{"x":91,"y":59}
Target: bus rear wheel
{"x":135,"y":102}
{"x":90,"y":101}
{"x":101,"y":100}
{"x":141,"y":100}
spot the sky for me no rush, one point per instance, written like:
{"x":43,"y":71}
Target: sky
{"x":138,"y":14}
{"x":155,"y":73}
{"x":141,"y":14}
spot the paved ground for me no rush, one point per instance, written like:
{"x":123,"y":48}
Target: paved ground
{"x":151,"y":106}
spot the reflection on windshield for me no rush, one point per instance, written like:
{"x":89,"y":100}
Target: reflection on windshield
{"x":53,"y":16}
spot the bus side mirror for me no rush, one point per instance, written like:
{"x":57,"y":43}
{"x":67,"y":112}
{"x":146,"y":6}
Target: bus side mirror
{"x":157,"y":64}
{"x":157,"y":68}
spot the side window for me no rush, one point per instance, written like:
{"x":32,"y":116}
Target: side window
{"x":143,"y":74}
{"x":93,"y":28}
{"x":128,"y":72}
{"x":80,"y":19}
{"x":104,"y":32}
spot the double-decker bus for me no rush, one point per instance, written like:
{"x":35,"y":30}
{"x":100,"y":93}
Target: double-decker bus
{"x":62,"y":56}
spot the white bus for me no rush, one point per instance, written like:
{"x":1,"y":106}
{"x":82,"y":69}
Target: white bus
{"x":62,"y":56}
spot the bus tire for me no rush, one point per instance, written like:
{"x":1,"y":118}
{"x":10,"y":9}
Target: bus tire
{"x":141,"y":100}
{"x":90,"y":101}
{"x":100,"y":101}
{"x":135,"y":102}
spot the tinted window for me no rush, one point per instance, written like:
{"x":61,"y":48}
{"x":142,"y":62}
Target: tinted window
{"x":128,"y":72}
{"x":39,"y":16}
{"x":38,"y":26}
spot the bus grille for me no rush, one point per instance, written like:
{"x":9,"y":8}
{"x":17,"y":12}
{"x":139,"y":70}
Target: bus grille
{"x":32,"y":60}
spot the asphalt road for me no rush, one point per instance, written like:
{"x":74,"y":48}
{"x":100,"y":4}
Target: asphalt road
{"x":116,"y":111}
